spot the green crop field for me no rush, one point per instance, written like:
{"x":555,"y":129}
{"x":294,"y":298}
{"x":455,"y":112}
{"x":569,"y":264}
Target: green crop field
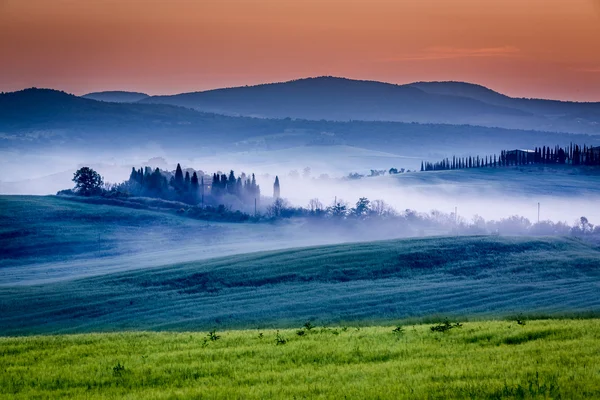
{"x":369,"y":282}
{"x":492,"y":360}
{"x":99,"y":301}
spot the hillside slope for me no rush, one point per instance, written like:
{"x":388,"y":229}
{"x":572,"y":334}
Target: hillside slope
{"x":41,"y":119}
{"x":116,"y":96}
{"x":342,"y":99}
{"x":335,"y":99}
{"x":47,"y":239}
{"x":352,"y":282}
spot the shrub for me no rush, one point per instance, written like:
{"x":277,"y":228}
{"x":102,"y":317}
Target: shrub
{"x":280,"y":339}
{"x":118,"y":369}
{"x":445,"y":326}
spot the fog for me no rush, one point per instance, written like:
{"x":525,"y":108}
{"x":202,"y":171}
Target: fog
{"x":492,"y":193}
{"x":563,"y":194}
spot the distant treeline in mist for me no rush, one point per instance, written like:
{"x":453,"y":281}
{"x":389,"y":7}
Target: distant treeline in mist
{"x":192,"y":187}
{"x":573,"y":155}
{"x":364,"y":218}
{"x":377,"y":215}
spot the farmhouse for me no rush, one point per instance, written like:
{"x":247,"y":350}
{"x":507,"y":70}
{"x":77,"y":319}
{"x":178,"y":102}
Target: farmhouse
{"x":521,"y":155}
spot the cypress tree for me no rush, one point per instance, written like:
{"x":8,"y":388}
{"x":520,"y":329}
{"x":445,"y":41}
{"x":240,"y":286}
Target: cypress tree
{"x":214,"y":187}
{"x":194,"y":184}
{"x":186,"y":181}
{"x":276,"y":189}
{"x":231,"y":183}
{"x":179,"y":177}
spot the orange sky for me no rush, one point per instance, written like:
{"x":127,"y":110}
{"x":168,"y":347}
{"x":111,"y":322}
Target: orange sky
{"x":530,"y":48}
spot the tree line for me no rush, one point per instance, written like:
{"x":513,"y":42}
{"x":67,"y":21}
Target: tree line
{"x":192,"y":187}
{"x":573,"y":155}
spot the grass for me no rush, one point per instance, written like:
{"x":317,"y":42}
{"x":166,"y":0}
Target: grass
{"x":361,"y":282}
{"x":490,"y":360}
{"x":48,"y":238}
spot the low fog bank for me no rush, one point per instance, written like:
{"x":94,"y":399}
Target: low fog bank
{"x":122,"y":248}
{"x":560,"y":198}
{"x":318,"y":172}
{"x":48,"y":172}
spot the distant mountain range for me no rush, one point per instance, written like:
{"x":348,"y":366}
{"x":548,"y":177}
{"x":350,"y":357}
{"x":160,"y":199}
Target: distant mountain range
{"x":343,"y":99}
{"x":44,"y":118}
{"x":116,"y":96}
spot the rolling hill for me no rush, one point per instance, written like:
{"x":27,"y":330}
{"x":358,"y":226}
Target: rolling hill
{"x":116,"y":96}
{"x":344,"y":99}
{"x":451,"y":276}
{"x":42,"y":118}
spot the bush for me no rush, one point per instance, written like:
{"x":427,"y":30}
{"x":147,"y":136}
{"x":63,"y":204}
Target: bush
{"x":280,"y":340}
{"x":445,"y":326}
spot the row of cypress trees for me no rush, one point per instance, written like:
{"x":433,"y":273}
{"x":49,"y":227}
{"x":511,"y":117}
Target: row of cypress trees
{"x":571,"y":155}
{"x":191,"y":188}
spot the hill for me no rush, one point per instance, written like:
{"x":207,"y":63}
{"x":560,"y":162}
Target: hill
{"x":116,"y":96}
{"x":42,"y":118}
{"x":344,"y":99}
{"x":48,"y":239}
{"x":461,"y":276}
{"x":553,"y":109}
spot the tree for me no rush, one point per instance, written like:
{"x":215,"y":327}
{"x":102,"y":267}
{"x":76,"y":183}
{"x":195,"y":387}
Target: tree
{"x":187,"y":180}
{"x":584,"y":226}
{"x":156,"y":182}
{"x":380,"y":208}
{"x":339,"y":209}
{"x":231,"y":182}
{"x":194,"y":184}
{"x":306,"y":173}
{"x":178,"y":177}
{"x":362,"y":207}
{"x":276,"y":189}
{"x":315,"y":205}
{"x":87,"y":181}
{"x":275,"y":209}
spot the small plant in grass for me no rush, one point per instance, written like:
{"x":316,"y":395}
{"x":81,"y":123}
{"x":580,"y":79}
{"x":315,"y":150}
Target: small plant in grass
{"x":212,"y":335}
{"x":280,"y":339}
{"x":300,"y":332}
{"x":308,"y":326}
{"x":445,"y":326}
{"x":260,"y":335}
{"x":398,"y":330}
{"x":118,"y":369}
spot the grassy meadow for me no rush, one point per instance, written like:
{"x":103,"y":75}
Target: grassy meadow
{"x":479,"y":276}
{"x":105,"y":302}
{"x":490,"y":360}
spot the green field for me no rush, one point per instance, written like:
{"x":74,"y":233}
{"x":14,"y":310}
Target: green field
{"x":99,"y":301}
{"x":360,"y":282}
{"x":491,"y":360}
{"x":48,"y":238}
{"x":56,"y":277}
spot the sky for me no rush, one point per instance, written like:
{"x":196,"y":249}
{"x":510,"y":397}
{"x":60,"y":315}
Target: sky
{"x":524,"y":48}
